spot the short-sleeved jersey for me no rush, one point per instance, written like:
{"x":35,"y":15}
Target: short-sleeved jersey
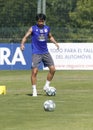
{"x":39,"y":39}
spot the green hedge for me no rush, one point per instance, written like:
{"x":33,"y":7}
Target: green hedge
{"x":15,"y":34}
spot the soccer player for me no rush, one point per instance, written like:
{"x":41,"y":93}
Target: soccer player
{"x":40,"y":34}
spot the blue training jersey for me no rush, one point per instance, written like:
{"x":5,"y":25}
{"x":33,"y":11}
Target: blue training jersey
{"x":39,"y":39}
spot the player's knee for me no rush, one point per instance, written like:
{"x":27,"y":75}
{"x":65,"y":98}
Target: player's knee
{"x":52,"y":70}
{"x":34,"y":72}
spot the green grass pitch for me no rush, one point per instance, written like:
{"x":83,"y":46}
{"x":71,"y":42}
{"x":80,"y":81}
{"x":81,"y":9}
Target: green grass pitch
{"x":74,"y":101}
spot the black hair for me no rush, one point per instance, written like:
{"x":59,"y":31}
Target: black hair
{"x":41,"y":17}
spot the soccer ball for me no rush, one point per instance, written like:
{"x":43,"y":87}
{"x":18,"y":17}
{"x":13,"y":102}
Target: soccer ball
{"x":51,"y":91}
{"x":49,"y":105}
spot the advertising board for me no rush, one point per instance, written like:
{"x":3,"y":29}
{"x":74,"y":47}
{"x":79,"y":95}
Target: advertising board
{"x":12,"y":58}
{"x":70,"y":56}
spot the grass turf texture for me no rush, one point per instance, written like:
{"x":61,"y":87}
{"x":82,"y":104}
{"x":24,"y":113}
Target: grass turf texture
{"x":74,"y":101}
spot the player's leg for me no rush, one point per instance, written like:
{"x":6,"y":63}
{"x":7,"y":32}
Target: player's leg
{"x":49,"y":76}
{"x":48,"y":61}
{"x":34,"y":76}
{"x":34,"y":80}
{"x":51,"y":73}
{"x":36,"y":59}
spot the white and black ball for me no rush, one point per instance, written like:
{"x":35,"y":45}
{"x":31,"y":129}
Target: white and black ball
{"x":49,"y":105}
{"x":51,"y":91}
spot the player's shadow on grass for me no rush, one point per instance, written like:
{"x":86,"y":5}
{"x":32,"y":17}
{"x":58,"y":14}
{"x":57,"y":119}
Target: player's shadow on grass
{"x":32,"y":94}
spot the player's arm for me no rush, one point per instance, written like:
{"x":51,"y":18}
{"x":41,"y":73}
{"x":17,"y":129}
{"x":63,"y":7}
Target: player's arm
{"x":24,"y":39}
{"x":53,"y":40}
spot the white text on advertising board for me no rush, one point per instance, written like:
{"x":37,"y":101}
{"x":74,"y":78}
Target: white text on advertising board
{"x":5,"y":54}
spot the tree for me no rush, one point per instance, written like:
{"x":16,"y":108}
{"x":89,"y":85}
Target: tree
{"x":58,"y":12}
{"x":82,"y":16}
{"x":70,"y":19}
{"x":17,"y":13}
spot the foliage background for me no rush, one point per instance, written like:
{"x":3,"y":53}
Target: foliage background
{"x":70,"y":20}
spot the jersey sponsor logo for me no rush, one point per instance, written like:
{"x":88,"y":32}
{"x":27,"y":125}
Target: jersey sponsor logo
{"x":42,"y":37}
